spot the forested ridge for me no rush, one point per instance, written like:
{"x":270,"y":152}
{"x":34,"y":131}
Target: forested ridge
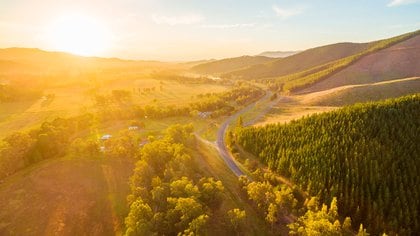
{"x":366,"y":155}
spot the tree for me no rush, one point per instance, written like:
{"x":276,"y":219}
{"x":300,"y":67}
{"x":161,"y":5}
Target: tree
{"x":198,"y":226}
{"x":211,"y":192}
{"x":272,"y":214}
{"x":183,"y":211}
{"x":184,"y":187}
{"x":240,"y":122}
{"x":261,"y":193}
{"x":180,"y":133}
{"x":317,"y":222}
{"x":138,"y":221}
{"x":236,"y":218}
{"x":347,"y":230}
{"x":362,"y":231}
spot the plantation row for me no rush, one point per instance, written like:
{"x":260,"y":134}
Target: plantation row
{"x":366,"y":155}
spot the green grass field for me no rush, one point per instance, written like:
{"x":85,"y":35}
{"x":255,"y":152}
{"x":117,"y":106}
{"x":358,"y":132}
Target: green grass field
{"x":73,"y":100}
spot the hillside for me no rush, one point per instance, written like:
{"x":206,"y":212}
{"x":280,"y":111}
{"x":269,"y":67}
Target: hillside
{"x":351,"y":94}
{"x":365,"y":155}
{"x":230,"y":64}
{"x":45,"y":67}
{"x":278,"y":54}
{"x":398,"y":61}
{"x":301,"y":61}
{"x":66,"y":197}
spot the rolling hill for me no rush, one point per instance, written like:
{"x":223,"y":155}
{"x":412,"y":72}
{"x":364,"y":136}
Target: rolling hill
{"x":34,"y":64}
{"x":398,"y":61}
{"x":278,"y":54}
{"x":298,"y":62}
{"x":229,"y":64}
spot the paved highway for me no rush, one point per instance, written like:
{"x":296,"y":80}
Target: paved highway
{"x":221,"y":133}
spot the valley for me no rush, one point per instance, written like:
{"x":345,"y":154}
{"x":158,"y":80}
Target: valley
{"x":294,"y":145}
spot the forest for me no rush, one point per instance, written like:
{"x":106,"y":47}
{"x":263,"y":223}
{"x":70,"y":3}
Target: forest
{"x":169,"y":195}
{"x":365,"y":155}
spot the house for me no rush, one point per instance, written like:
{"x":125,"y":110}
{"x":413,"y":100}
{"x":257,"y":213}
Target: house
{"x":205,"y":114}
{"x":133,"y":128}
{"x":106,"y":137}
{"x":141,"y":144}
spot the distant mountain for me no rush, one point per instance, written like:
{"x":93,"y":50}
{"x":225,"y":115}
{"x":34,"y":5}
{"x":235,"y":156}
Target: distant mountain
{"x":31,"y":64}
{"x":230,"y":64}
{"x":38,"y":56}
{"x":278,"y":54}
{"x":195,"y":63}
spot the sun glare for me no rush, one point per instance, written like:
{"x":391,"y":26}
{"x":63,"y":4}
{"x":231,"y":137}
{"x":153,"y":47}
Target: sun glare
{"x":78,"y":34}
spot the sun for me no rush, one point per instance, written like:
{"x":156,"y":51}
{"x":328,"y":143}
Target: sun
{"x":78,"y":34}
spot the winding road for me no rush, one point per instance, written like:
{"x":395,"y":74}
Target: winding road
{"x":221,"y":133}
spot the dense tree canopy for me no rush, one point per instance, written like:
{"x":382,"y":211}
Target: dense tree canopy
{"x":366,"y":155}
{"x":168,"y":194}
{"x":50,"y":140}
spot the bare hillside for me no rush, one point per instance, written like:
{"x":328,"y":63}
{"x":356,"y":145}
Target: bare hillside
{"x":399,"y":61}
{"x":350,"y":94}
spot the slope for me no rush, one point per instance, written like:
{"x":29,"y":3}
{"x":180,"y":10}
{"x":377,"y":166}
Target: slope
{"x":298,"y":62}
{"x":278,"y":54}
{"x":230,"y":64}
{"x":35,"y":66}
{"x":351,"y":94}
{"x":66,"y":197}
{"x":398,"y":61}
{"x":366,"y":155}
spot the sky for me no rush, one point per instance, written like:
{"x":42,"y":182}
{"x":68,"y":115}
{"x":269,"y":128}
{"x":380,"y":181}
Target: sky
{"x":183,"y":30}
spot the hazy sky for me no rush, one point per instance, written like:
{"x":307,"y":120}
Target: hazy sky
{"x":200,"y":29}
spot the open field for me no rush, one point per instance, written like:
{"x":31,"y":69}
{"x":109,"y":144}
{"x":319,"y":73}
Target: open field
{"x":154,"y":127}
{"x":73,"y":100}
{"x":293,"y":107}
{"x":66,"y":197}
{"x":283,"y":113}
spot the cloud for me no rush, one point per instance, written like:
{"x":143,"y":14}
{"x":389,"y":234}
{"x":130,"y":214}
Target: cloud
{"x":287,"y":12}
{"x":229,"y":26}
{"x":177,"y":20}
{"x":394,"y":3}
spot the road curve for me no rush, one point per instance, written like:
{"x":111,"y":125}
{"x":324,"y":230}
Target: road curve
{"x":221,"y":133}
